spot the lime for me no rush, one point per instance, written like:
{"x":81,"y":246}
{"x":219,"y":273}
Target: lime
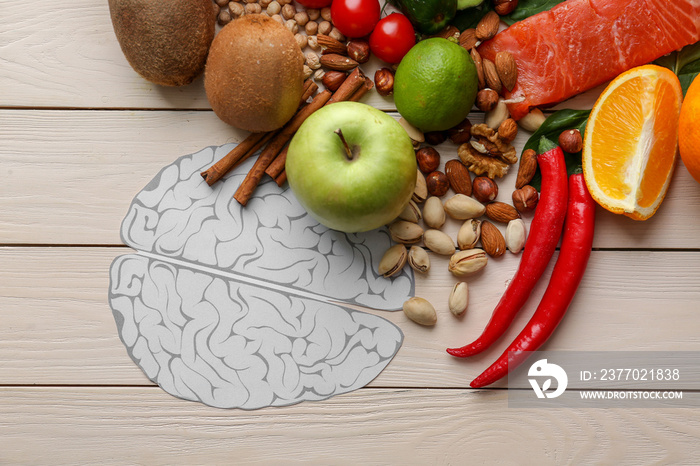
{"x":435,"y":85}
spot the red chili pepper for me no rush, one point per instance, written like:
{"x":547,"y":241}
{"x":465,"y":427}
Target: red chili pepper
{"x":545,"y":231}
{"x":566,"y":276}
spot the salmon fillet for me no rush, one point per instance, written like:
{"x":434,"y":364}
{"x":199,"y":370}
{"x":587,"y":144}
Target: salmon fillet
{"x":580,"y":44}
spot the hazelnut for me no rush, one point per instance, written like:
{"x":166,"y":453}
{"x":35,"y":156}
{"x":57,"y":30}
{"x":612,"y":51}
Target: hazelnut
{"x":525,"y":198}
{"x":333,"y":79}
{"x":437,"y":183}
{"x":428,"y":159}
{"x":358,"y":50}
{"x":311,"y":28}
{"x":435,"y":137}
{"x":484,"y":189}
{"x":383,"y":80}
{"x":314,"y":13}
{"x":324,"y":27}
{"x":486,"y":100}
{"x":326,"y":13}
{"x":571,"y":141}
{"x":288,"y":11}
{"x":301,"y":18}
{"x":504,"y":7}
{"x":224,"y":17}
{"x":507,"y":130}
{"x":461,"y":133}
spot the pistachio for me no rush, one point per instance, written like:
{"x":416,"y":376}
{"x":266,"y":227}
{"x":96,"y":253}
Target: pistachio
{"x":459,"y":298}
{"x":393,"y":260}
{"x":468,"y":234}
{"x":405,"y":232}
{"x":515,"y":235}
{"x":439,"y":242}
{"x":467,"y":262}
{"x":498,"y":115}
{"x":420,"y":193}
{"x":461,"y":207}
{"x":411,"y":213}
{"x":414,"y":133}
{"x":420,"y":311}
{"x":418,"y":259}
{"x":433,"y":212}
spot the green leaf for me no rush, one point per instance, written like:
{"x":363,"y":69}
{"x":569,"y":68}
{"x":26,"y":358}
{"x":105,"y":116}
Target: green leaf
{"x":685,"y":63}
{"x":527,"y":8}
{"x":469,"y":17}
{"x":551,"y":129}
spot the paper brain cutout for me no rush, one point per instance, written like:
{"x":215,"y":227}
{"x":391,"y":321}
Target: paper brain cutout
{"x":242,"y":307}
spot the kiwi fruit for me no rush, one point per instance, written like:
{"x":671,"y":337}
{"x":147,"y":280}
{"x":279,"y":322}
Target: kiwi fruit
{"x":254,"y":74}
{"x":167,"y":44}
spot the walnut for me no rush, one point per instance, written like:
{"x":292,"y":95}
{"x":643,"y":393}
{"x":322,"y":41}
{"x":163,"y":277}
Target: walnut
{"x":481,"y":164}
{"x":494,"y":145}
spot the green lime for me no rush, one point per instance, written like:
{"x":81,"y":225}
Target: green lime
{"x":435,"y":85}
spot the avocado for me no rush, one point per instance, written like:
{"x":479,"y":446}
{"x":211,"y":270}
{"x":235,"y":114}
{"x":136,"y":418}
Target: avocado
{"x":463,"y":4}
{"x":428,"y":16}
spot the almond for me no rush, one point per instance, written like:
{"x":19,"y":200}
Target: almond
{"x":491,"y":76}
{"x":488,"y":26}
{"x":468,"y":39}
{"x":527,"y":168}
{"x":478,"y":62}
{"x":334,"y":61}
{"x":501,"y":212}
{"x":331,"y":45}
{"x":492,"y":239}
{"x":458,"y":176}
{"x":507,"y":69}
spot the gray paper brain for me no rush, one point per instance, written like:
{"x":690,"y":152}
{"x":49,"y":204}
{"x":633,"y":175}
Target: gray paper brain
{"x":242,"y":307}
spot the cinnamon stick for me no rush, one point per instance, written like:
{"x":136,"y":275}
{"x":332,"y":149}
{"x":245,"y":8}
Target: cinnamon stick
{"x":310,"y":89}
{"x":220,"y":168}
{"x":281,"y":178}
{"x":277,"y":165}
{"x":351,"y":84}
{"x":245,"y":190}
{"x":364,"y":88}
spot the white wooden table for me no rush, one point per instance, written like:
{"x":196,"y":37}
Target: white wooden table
{"x":81,"y":133}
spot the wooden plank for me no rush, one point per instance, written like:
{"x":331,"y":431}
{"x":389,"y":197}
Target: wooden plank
{"x":71,"y":176}
{"x":377,"y":426}
{"x":58,"y":329}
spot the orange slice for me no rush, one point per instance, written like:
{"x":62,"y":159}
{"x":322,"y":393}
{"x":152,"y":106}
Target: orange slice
{"x":631,"y":141}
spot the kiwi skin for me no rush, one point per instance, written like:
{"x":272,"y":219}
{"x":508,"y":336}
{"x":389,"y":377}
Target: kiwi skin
{"x":254,"y":74}
{"x":165,"y":44}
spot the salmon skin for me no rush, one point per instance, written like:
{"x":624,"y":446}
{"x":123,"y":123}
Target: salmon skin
{"x":580,"y":44}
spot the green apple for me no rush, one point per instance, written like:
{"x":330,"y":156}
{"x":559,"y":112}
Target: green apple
{"x":352,"y":167}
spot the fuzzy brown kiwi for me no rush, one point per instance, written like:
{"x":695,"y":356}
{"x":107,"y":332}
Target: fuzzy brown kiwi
{"x":254,"y":74}
{"x":167,"y":45}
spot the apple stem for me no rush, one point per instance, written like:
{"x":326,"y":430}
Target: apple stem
{"x":348,"y":152}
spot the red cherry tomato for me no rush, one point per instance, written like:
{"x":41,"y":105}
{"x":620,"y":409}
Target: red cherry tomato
{"x":392,"y":38}
{"x":315,"y":3}
{"x":355,"y":18}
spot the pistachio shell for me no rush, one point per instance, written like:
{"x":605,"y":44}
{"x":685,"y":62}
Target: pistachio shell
{"x":420,"y":192}
{"x":434,"y":212}
{"x":405,"y":232}
{"x":393,"y":260}
{"x":467,"y":262}
{"x":459,"y":298}
{"x":515,"y":235}
{"x":419,"y":259}
{"x":439,"y":242}
{"x":411,"y":213}
{"x":461,"y":207}
{"x":420,"y":311}
{"x":468,"y":234}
